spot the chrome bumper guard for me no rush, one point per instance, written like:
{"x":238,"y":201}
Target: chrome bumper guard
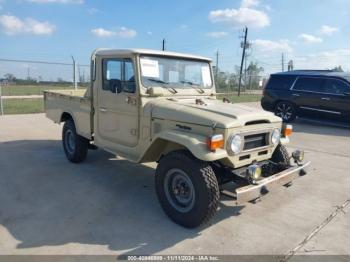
{"x":253,"y":192}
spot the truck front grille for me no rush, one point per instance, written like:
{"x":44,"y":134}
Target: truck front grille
{"x":255,"y":141}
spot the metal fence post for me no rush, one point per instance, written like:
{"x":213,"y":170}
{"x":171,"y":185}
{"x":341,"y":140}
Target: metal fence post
{"x":1,"y":105}
{"x":75,"y":85}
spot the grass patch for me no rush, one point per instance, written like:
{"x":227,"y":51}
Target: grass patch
{"x":23,"y":106}
{"x":27,"y":90}
{"x":244,"y":98}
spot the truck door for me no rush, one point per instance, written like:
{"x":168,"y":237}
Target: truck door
{"x":117,"y":104}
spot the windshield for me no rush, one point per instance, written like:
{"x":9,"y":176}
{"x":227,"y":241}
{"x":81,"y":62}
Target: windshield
{"x":175,"y":73}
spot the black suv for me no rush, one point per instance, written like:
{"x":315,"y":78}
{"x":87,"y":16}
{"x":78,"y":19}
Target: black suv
{"x":321,"y":94}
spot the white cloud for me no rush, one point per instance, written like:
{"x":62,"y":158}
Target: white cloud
{"x":12,"y":25}
{"x":268,"y":46}
{"x":328,"y":30}
{"x":57,"y":1}
{"x":324,"y":60}
{"x":126,"y":32}
{"x":310,"y":39}
{"x":249,"y":3}
{"x":122,"y":32}
{"x":100,"y":32}
{"x":217,"y":34}
{"x":246,"y":15}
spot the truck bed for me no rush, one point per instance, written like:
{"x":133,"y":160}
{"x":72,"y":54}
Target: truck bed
{"x":59,"y":103}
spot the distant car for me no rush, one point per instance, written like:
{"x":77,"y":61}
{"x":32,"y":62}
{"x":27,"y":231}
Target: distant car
{"x":320,"y":94}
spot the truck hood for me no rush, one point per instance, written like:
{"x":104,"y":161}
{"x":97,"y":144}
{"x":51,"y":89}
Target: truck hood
{"x":209,"y":112}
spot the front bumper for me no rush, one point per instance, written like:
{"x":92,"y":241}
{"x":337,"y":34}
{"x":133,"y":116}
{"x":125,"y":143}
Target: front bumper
{"x":252,"y":192}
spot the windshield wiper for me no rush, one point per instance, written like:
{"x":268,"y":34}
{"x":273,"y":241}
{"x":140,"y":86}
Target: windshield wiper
{"x":165,"y":84}
{"x":193,"y":85}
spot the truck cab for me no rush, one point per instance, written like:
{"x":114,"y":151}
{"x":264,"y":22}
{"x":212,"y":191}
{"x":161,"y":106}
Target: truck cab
{"x":156,"y":106}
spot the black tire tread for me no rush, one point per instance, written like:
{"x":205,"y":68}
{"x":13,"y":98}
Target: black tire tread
{"x":281,"y":155}
{"x":82,"y":143}
{"x":214,"y":195}
{"x":208,"y":177}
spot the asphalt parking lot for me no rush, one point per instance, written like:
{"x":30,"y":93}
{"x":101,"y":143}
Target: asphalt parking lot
{"x":108,"y":205}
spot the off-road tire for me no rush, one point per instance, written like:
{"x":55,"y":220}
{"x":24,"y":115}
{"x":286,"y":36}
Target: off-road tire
{"x":205,"y":187}
{"x":77,"y":153}
{"x":281,"y":156}
{"x":282,"y":108}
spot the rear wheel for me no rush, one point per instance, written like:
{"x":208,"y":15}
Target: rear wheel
{"x":286,"y":111}
{"x":75,"y":146}
{"x":187,"y":189}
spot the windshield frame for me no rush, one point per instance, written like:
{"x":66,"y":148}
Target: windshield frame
{"x":173,"y":85}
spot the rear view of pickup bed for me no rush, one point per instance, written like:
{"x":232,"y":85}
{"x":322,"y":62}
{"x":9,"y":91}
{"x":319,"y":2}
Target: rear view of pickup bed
{"x":60,"y":104}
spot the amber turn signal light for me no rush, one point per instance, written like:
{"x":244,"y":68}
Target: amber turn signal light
{"x":214,"y":142}
{"x":288,"y":130}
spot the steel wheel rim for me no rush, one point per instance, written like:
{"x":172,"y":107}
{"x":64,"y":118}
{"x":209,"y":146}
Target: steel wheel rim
{"x":70,"y":141}
{"x":179,"y":190}
{"x":284,"y":111}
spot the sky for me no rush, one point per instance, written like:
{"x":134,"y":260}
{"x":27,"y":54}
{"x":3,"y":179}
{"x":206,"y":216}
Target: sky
{"x":313,"y":33}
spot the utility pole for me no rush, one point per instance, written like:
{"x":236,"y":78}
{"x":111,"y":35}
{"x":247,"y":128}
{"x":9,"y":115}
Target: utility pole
{"x":217,"y":65}
{"x":163,"y":45}
{"x":242,"y":62}
{"x":282,"y":62}
{"x":74,"y":74}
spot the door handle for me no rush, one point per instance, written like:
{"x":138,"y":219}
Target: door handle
{"x":295,"y":95}
{"x":102,"y":109}
{"x":326,"y":98}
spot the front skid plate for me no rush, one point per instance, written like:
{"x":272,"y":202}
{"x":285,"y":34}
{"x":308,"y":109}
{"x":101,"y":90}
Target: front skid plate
{"x":252,"y":192}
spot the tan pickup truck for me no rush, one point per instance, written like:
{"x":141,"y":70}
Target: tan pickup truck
{"x":155,"y":106}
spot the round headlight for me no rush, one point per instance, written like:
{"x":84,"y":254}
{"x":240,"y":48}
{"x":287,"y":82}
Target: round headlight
{"x":235,"y":144}
{"x":276,"y":136}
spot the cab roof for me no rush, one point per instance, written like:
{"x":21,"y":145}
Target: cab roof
{"x":108,"y":52}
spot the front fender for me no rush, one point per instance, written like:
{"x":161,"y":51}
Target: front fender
{"x":195,"y":143}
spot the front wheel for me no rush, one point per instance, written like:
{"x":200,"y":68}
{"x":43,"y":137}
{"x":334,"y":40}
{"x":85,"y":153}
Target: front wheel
{"x":187,"y":189}
{"x":281,"y":156}
{"x":286,"y":111}
{"x":75,"y":146}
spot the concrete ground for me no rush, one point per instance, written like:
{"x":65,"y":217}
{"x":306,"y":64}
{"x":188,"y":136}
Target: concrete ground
{"x":109,"y":206}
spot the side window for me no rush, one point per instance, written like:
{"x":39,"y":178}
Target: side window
{"x":311,"y":84}
{"x":112,"y":75}
{"x":280,"y":82}
{"x":118,"y":76}
{"x":129,"y":84}
{"x":334,"y":86}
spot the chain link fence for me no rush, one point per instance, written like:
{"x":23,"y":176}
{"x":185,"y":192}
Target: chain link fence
{"x":22,"y":82}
